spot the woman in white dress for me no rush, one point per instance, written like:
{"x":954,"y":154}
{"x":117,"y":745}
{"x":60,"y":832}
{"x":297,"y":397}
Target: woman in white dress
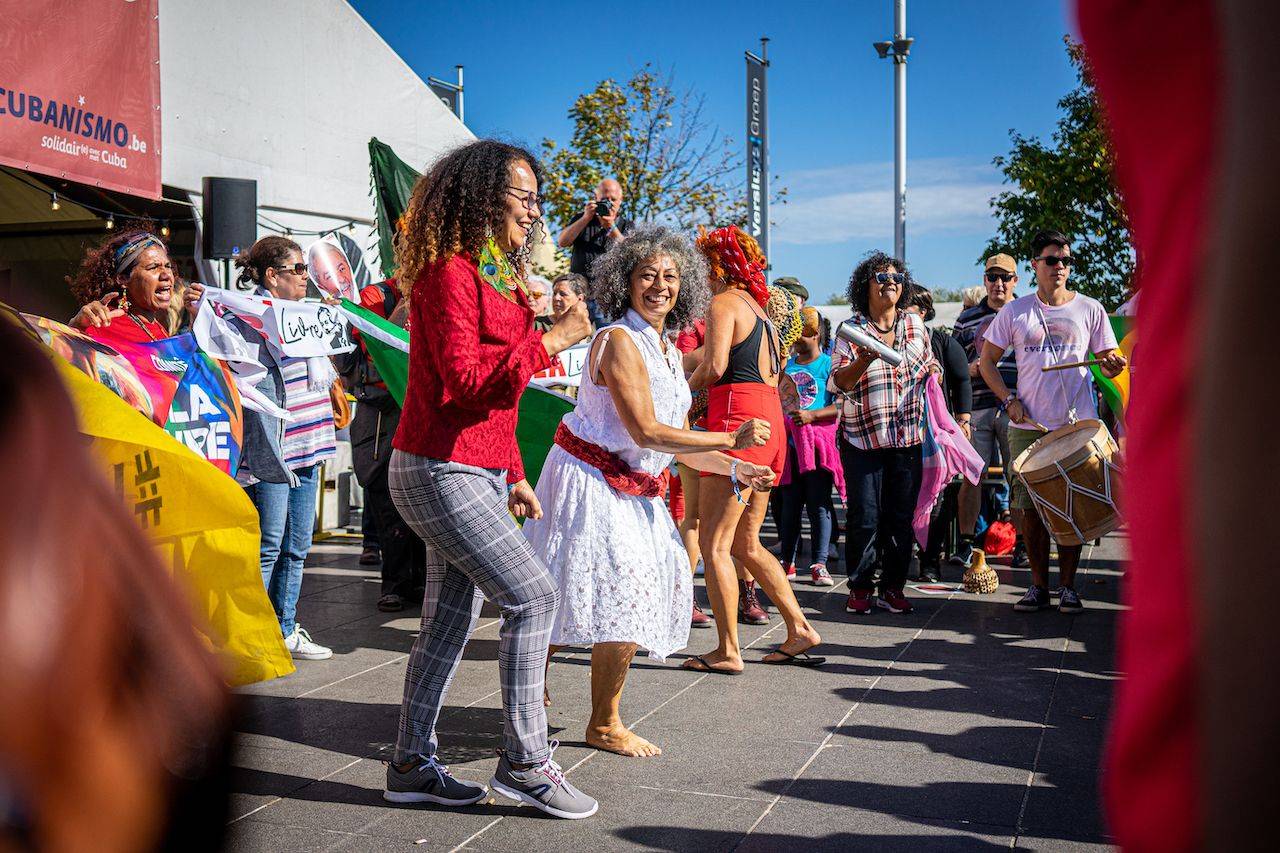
{"x":606,"y":535}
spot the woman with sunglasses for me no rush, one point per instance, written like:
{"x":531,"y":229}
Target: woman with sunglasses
{"x":882,"y":423}
{"x":456,"y":474}
{"x":125,"y":286}
{"x":281,"y":463}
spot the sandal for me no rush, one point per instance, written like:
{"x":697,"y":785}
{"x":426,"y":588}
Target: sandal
{"x":800,"y":659}
{"x":706,"y":667}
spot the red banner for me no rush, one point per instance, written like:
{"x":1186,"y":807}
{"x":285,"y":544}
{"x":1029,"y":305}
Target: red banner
{"x":80,"y":91}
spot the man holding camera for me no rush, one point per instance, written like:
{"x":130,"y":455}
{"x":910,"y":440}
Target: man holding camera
{"x":591,"y":234}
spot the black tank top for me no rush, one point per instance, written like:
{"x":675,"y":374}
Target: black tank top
{"x":744,"y":357}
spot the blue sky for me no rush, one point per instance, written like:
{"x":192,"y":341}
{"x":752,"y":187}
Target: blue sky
{"x":977,"y":70}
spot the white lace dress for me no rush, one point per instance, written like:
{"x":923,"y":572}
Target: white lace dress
{"x":618,"y":559}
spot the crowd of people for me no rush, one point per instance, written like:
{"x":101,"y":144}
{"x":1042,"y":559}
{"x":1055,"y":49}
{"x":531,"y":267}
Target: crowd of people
{"x":709,"y":400}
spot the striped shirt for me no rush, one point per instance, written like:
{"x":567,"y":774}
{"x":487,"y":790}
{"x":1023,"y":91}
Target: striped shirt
{"x":886,"y":406}
{"x":309,"y":438}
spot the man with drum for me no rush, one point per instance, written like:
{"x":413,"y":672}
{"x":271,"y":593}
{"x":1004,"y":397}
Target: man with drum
{"x":1048,"y":328}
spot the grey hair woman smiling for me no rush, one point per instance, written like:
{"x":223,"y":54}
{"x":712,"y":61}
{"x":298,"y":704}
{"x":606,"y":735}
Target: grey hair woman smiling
{"x":606,"y":536}
{"x":611,"y":288}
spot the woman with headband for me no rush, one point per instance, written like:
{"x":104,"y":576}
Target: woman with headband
{"x":741,"y":368}
{"x":125,"y":287}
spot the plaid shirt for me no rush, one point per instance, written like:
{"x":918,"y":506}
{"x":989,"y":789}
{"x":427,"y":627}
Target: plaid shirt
{"x":886,"y":406}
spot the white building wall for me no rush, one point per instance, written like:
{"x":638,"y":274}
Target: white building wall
{"x":288,"y":92}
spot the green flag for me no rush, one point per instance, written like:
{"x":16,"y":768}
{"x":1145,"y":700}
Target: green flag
{"x":392,"y":184}
{"x":1116,"y":391}
{"x":388,"y":347}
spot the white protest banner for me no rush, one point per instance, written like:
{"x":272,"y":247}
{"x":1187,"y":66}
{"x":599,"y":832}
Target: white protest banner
{"x":567,"y":371}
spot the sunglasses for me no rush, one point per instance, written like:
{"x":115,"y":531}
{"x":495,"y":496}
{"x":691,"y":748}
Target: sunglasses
{"x":996,"y":276}
{"x":296,"y":269}
{"x":1054,"y":260}
{"x":529,"y":199}
{"x":895,"y":277}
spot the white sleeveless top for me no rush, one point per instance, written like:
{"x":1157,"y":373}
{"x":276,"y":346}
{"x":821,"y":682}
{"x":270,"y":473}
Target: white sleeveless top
{"x":595,"y":418}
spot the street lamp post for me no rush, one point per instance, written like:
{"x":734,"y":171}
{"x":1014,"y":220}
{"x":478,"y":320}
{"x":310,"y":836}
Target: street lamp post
{"x":899,"y":49}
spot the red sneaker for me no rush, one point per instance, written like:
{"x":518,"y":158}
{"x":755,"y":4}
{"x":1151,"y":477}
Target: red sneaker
{"x":859,"y":602}
{"x":894,"y":601}
{"x":700,"y":618}
{"x":790,"y":569}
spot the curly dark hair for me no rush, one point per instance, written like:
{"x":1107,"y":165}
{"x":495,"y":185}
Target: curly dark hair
{"x":268,"y":252}
{"x":457,"y":204}
{"x":859,"y":291}
{"x":97,"y":273}
{"x":611,"y":287}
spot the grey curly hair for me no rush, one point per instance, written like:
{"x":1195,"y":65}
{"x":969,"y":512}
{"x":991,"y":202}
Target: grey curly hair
{"x":611,"y":284}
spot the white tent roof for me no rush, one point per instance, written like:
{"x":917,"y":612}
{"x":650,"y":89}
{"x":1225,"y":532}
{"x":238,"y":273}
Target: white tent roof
{"x":288,"y":92}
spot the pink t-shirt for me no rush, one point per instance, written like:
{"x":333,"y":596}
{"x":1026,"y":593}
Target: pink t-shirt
{"x":1075,"y":330}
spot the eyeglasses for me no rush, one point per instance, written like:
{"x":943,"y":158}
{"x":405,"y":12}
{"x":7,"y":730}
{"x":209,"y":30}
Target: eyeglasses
{"x":296,"y":269}
{"x":529,"y":199}
{"x":993,"y":277}
{"x":1054,"y":260}
{"x":895,"y":277}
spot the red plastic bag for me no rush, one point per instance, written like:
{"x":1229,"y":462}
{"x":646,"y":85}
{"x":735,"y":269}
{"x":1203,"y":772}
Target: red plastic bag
{"x":999,"y":539}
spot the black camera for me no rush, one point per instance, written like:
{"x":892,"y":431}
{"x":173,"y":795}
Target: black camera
{"x":604,"y":207}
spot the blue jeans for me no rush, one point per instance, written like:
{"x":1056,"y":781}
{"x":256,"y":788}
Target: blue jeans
{"x":812,"y":492}
{"x":287,"y":516}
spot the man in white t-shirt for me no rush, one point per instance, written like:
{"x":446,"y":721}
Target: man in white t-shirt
{"x":1051,"y":326}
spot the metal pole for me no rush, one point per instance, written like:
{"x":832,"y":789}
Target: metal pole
{"x":461,"y":114}
{"x":900,"y":132}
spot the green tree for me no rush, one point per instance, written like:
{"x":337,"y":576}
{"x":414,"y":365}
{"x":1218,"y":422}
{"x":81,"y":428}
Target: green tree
{"x":1068,"y":186}
{"x":673,"y":164}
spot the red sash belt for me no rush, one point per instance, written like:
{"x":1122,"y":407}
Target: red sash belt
{"x":615,"y":471}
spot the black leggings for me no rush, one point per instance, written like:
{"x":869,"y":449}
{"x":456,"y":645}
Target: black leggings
{"x":882,"y":486}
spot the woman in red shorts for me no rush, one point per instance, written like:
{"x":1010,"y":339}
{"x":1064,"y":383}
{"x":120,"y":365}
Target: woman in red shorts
{"x":741,"y":369}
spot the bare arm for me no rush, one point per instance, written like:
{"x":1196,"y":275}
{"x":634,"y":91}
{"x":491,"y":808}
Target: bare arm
{"x":571,"y":232}
{"x":623,"y":372}
{"x":720,"y":328}
{"x":987,"y":365}
{"x":848,"y":376}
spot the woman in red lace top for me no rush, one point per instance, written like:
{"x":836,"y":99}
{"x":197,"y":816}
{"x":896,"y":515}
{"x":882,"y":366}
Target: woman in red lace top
{"x":462,"y":250}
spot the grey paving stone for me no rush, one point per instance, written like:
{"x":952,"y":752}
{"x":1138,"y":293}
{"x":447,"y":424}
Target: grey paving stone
{"x":790,"y":825}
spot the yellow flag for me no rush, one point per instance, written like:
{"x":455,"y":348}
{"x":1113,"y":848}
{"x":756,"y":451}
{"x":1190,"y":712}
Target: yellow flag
{"x":202,"y":522}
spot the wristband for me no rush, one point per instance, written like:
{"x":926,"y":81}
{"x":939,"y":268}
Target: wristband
{"x":733,"y":478}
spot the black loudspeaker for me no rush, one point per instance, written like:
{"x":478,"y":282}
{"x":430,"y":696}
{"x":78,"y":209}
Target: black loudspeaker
{"x":230,"y":213}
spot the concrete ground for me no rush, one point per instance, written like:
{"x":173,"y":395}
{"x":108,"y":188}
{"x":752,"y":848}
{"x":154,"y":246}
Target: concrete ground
{"x":962,"y":726}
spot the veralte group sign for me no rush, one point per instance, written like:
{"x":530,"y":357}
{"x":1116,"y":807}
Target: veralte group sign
{"x":80,"y":91}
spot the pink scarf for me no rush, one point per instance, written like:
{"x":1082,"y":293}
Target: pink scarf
{"x":946,"y":453}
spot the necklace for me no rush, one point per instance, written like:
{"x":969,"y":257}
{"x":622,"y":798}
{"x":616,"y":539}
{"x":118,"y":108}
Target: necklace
{"x":496,"y":269}
{"x":143,"y":326}
{"x":876,"y":325}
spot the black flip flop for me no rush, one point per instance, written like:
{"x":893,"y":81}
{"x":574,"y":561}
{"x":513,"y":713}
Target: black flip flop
{"x":708,"y":667}
{"x":803,"y":659}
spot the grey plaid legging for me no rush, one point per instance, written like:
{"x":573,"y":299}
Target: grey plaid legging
{"x":475,"y":551}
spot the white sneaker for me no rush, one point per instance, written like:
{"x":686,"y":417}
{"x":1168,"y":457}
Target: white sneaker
{"x":301,"y":647}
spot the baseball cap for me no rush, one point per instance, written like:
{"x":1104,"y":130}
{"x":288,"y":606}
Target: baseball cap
{"x":791,"y":283}
{"x":1002,"y":262}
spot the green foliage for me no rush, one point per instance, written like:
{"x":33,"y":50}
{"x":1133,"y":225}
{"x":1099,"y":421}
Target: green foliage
{"x":674,"y":166}
{"x":838,"y":299}
{"x":1068,"y":186}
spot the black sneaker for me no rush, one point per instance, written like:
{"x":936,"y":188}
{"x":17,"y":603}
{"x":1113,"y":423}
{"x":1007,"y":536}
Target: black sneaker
{"x":430,"y":782}
{"x":1070,"y":602}
{"x":930,"y":573}
{"x":1019,"y":558}
{"x":963,"y":557}
{"x":370,"y":556}
{"x":1036,"y":598}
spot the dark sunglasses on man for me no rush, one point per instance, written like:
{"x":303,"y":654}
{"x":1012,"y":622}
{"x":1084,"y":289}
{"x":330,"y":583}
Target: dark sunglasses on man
{"x":296,"y":269}
{"x":895,"y":277}
{"x":1054,"y":260}
{"x":993,"y":277}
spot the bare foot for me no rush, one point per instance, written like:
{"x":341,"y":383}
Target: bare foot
{"x":804,"y":640}
{"x":618,"y":738}
{"x":546,"y":698}
{"x":714,"y":662}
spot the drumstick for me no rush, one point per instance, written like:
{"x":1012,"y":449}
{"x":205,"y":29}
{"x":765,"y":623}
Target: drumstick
{"x":1089,"y":363}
